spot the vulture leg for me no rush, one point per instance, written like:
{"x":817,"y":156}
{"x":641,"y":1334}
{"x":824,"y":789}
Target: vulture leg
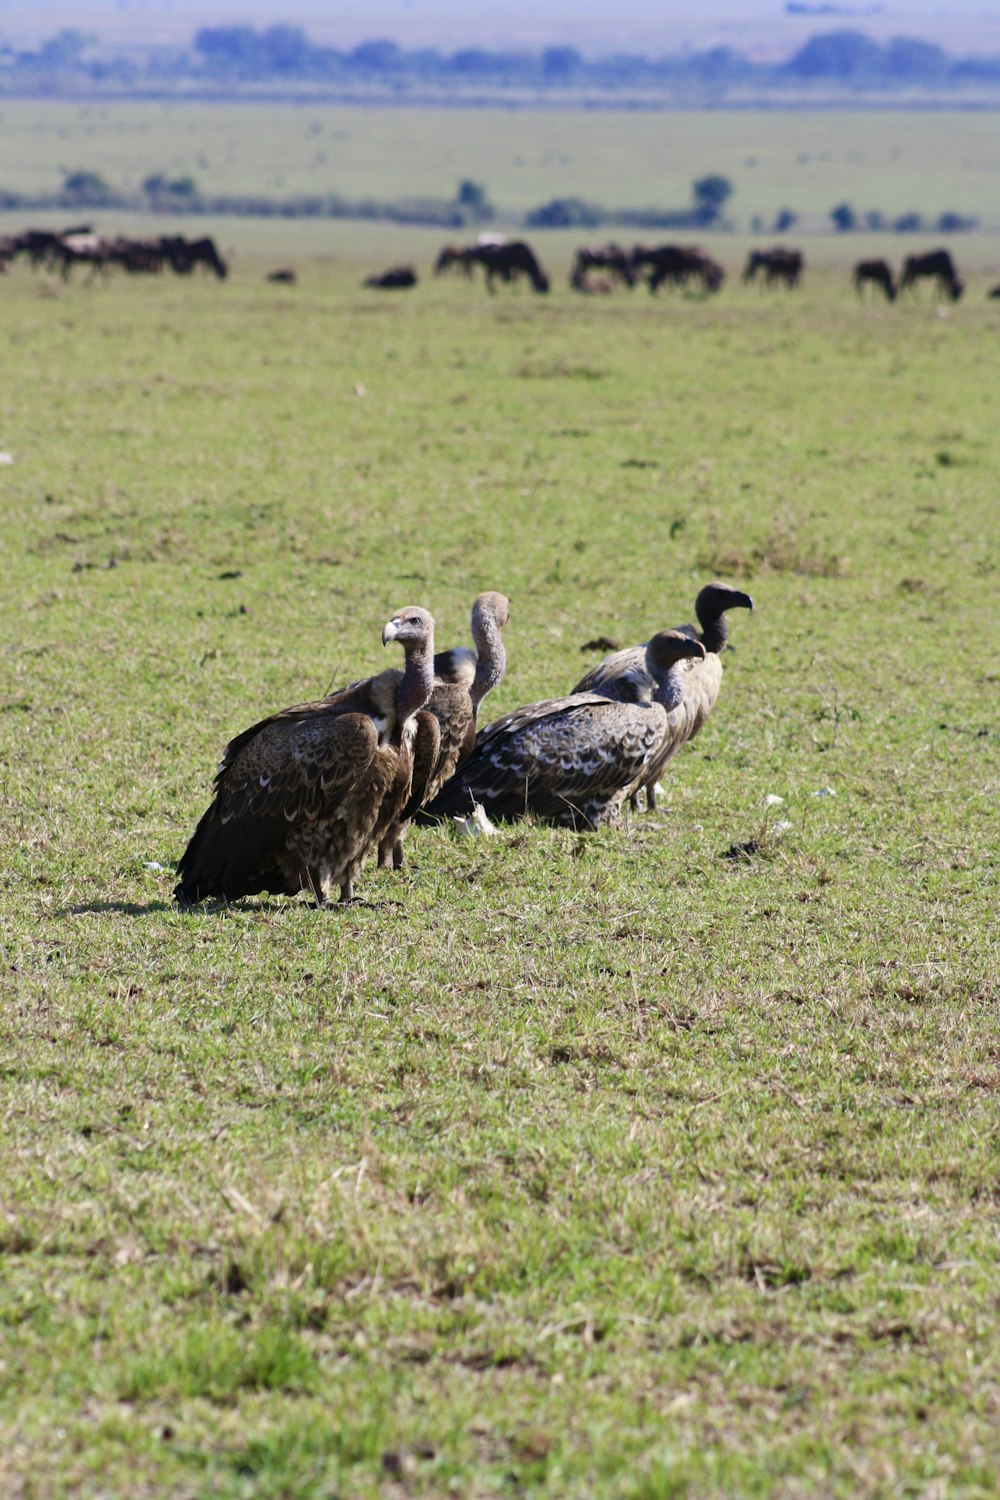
{"x":347,"y":893}
{"x":633,"y":802}
{"x":650,"y":798}
{"x":390,"y":851}
{"x":315,"y":884}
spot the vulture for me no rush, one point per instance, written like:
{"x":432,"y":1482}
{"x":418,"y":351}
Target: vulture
{"x":625,"y":675}
{"x":462,"y":678}
{"x":301,"y":797}
{"x":571,"y":761}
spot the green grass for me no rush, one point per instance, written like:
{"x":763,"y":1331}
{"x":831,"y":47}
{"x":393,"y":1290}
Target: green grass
{"x":572,"y":1165}
{"x":806,"y":160}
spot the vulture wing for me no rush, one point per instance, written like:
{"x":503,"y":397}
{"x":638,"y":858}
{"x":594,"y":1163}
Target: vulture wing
{"x":282,"y":779}
{"x":622,"y":675}
{"x":566,"y":760}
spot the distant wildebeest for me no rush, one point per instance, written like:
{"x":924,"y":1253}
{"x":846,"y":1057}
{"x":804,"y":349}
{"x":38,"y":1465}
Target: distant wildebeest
{"x":994,"y":291}
{"x":777,"y":264}
{"x":284,"y":275}
{"x":397,"y":278}
{"x":509,"y":260}
{"x":610,"y":258}
{"x":938,"y":266}
{"x":184,"y":255}
{"x":141,"y":255}
{"x":874,"y":273}
{"x":454,"y":258}
{"x":38,"y":245}
{"x":92,"y":250}
{"x":679,"y":264}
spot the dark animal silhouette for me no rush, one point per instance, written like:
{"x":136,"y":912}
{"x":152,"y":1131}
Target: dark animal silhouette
{"x":876,"y":273}
{"x":610,"y":258}
{"x":454,"y":258}
{"x":776,"y":265}
{"x":284,"y":276}
{"x":678,"y":264}
{"x":184,"y":255}
{"x":509,"y":260}
{"x":935,"y":265}
{"x":398,"y":278}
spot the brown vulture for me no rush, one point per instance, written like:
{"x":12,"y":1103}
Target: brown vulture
{"x":625,"y":675}
{"x":570,"y":761}
{"x":462,"y":678}
{"x":301,"y":797}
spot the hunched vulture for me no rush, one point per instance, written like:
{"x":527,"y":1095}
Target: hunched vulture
{"x":301,"y":797}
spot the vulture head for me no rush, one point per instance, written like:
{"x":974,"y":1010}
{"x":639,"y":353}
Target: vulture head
{"x":490,"y":614}
{"x":710,"y":607}
{"x":668,"y":647}
{"x":411,"y":627}
{"x":490,"y":608}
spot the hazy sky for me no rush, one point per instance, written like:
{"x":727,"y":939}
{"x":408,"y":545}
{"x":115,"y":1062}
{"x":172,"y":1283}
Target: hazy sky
{"x":761,"y":27}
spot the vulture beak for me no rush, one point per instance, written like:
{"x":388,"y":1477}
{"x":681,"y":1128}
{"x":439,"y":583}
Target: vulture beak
{"x":743,"y":601}
{"x":390,"y":631}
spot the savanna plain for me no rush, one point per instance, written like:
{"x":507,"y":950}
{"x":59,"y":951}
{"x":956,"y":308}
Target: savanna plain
{"x":565,"y":1165}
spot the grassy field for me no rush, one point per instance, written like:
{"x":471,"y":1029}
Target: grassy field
{"x":808,"y":161}
{"x":570,"y":1166}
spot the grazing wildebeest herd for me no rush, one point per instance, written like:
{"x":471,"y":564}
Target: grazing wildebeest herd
{"x":80,"y":245}
{"x":596,"y":269}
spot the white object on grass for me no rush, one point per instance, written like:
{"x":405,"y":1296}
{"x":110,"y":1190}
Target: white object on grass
{"x":476,"y":825}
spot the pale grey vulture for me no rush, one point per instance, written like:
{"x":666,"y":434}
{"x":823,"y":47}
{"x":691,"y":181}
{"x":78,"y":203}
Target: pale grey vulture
{"x":624,"y":676}
{"x":570,"y":761}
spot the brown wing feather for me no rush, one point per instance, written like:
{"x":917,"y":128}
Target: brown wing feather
{"x":426,"y":757}
{"x":277,"y":783}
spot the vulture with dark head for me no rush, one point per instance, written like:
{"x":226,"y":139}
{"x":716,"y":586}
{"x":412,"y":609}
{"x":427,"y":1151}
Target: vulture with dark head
{"x":570,"y":761}
{"x":462,"y":678}
{"x":301,"y":797}
{"x":625,"y":674}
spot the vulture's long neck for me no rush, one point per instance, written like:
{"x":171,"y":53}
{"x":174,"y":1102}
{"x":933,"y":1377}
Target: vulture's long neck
{"x":714,"y":630}
{"x":491,"y":658}
{"x":417,"y":681}
{"x":671,"y":684}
